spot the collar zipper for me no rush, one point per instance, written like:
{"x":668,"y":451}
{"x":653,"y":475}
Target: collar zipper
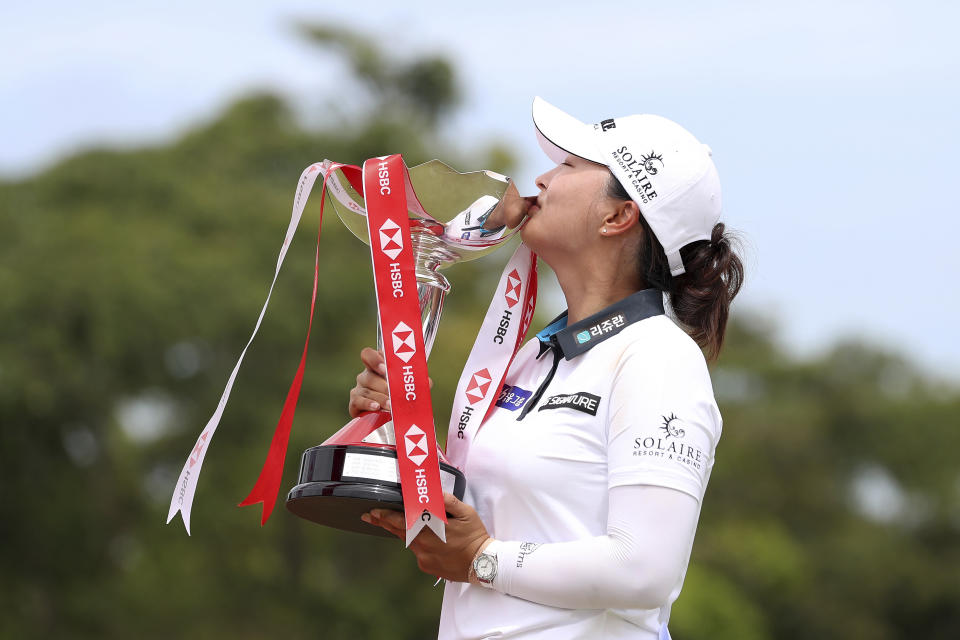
{"x":532,"y":402}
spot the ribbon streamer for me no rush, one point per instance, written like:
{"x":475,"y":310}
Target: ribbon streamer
{"x":493,"y":352}
{"x":417,"y":452}
{"x":185,"y":489}
{"x":389,"y":194}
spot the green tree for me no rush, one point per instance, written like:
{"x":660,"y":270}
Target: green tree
{"x":833,"y":509}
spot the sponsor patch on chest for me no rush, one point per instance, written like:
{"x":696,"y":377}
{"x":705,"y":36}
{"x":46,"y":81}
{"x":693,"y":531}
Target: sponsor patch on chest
{"x":581,"y":401}
{"x":512,"y":398}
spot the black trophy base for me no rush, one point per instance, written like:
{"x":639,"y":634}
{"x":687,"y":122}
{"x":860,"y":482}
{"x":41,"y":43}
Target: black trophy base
{"x":340,"y":482}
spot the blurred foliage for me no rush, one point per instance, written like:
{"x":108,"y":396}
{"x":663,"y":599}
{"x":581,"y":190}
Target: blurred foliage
{"x":423,"y":89}
{"x":131,"y":281}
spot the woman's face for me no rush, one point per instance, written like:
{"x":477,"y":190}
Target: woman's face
{"x":569,"y":209}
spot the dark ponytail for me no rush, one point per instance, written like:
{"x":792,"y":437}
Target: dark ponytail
{"x":700,"y":297}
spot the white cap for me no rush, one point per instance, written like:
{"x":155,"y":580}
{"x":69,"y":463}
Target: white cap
{"x":667,"y":172}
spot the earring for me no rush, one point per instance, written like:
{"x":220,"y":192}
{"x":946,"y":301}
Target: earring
{"x":604,"y":230}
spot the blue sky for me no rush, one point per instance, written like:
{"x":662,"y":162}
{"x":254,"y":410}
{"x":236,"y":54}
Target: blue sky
{"x":834,"y":124}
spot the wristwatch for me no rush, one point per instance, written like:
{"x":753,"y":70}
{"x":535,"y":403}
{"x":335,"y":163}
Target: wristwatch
{"x":485,"y":564}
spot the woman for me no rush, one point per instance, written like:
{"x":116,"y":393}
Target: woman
{"x":584,"y":497}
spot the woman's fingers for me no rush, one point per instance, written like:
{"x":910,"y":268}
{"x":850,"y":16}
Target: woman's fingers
{"x":455,"y":507}
{"x":374,"y":388}
{"x":385,"y":519}
{"x":371,"y":392}
{"x":511,"y":209}
{"x":373,"y":360}
{"x":372,"y":381}
{"x":362,"y":399}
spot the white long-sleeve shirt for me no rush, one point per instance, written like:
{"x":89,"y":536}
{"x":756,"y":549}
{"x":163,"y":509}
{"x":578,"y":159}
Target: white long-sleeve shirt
{"x":589,"y":474}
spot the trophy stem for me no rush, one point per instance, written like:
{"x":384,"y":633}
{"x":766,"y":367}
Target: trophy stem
{"x":431,"y":307}
{"x":432,"y":286}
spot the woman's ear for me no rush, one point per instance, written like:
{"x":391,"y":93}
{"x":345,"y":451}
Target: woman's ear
{"x":624,"y":216}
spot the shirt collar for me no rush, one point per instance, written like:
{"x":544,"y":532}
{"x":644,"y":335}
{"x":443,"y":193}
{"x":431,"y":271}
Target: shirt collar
{"x":581,"y":336}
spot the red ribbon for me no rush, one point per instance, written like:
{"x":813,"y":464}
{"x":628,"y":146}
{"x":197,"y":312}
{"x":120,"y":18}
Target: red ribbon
{"x":267,"y":487}
{"x":388,"y":195}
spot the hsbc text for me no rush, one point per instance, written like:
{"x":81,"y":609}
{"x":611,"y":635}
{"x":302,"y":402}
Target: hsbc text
{"x":504,"y":325}
{"x":464,"y":419}
{"x":422,"y":486}
{"x":395,"y":280}
{"x":408,"y":384}
{"x":384,"y":174}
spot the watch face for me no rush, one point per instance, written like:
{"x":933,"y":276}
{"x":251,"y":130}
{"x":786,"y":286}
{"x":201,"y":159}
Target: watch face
{"x":486,"y":567}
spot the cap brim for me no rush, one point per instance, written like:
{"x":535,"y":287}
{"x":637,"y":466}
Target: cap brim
{"x":560,"y":134}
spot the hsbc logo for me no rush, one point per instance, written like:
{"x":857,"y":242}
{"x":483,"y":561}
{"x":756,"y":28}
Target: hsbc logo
{"x":404,"y":344}
{"x":528,"y":315}
{"x":415,"y":442}
{"x":476,"y":391}
{"x":391,"y":239}
{"x":479,"y":384}
{"x":512,"y":294}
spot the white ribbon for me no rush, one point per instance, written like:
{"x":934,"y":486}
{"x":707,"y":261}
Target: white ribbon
{"x":492,"y":352}
{"x":182,"y":499}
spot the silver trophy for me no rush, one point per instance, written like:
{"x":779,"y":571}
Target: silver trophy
{"x":355,"y":470}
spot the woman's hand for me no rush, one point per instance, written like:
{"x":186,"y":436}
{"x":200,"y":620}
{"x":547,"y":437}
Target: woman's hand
{"x":511,"y":209}
{"x":371,"y":392}
{"x":450,"y":560}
